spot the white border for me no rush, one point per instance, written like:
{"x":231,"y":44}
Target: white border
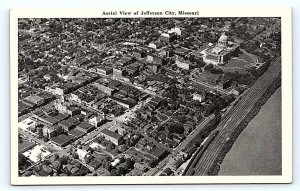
{"x":283,"y":12}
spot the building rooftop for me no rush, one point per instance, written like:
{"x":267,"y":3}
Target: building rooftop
{"x":157,"y":151}
{"x":85,"y":125}
{"x":25,"y":145}
{"x":62,"y":139}
{"x":76,"y":133}
{"x":69,"y":122}
{"x":111,"y":134}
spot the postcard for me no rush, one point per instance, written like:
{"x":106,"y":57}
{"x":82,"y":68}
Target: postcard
{"x":141,"y":96}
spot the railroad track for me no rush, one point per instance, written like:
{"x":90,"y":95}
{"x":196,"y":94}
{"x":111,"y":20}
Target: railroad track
{"x":234,"y":117}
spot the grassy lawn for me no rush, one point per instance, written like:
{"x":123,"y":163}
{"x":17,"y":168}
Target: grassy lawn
{"x":239,"y":63}
{"x":246,"y":58}
{"x":239,"y":70}
{"x":208,"y":77}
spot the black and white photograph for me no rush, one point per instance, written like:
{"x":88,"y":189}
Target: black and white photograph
{"x":164,"y":93}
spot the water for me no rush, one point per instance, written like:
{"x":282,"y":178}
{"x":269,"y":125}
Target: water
{"x":257,"y":151}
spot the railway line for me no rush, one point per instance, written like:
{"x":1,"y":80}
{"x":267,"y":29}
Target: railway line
{"x":234,"y":117}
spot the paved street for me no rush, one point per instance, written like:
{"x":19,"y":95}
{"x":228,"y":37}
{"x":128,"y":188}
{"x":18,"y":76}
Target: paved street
{"x":169,"y":160}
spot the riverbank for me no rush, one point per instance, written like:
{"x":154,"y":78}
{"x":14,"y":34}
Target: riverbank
{"x":257,"y":150}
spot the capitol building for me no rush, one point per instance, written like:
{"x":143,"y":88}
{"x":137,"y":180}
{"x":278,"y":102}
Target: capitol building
{"x":221,"y":52}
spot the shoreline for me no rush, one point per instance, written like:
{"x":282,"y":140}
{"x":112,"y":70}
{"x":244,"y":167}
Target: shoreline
{"x":215,"y":168}
{"x":257,"y":151}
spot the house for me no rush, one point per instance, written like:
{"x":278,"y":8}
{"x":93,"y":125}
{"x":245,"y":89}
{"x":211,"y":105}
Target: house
{"x":104,"y":71}
{"x":153,"y":59}
{"x":118,"y":72}
{"x":132,"y":69}
{"x":97,"y":120}
{"x":96,"y":146}
{"x":199,"y":96}
{"x":125,"y":61}
{"x":178,"y":163}
{"x":189,"y":150}
{"x":111,"y":136}
{"x":181,"y":51}
{"x":154,"y":103}
{"x":184,"y":64}
{"x":120,"y":129}
{"x":166,"y":172}
{"x":52,"y":131}
{"x":94,"y":164}
{"x":178,"y":137}
{"x":224,"y":82}
{"x":152,"y":45}
{"x":56,"y":165}
{"x":138,"y":54}
{"x":47,"y":77}
{"x":167,"y":52}
{"x":82,"y":154}
{"x":167,"y":37}
{"x":176,"y":30}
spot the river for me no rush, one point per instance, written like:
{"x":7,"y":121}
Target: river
{"x":257,"y":151}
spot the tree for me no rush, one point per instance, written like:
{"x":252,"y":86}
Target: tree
{"x":208,"y":67}
{"x":63,"y":160}
{"x":129,"y":164}
{"x":182,"y":119}
{"x":113,"y":172}
{"x":45,"y":139}
{"x":120,"y":171}
{"x":56,"y":156}
{"x":176,"y":128}
{"x":22,"y":161}
{"x":153,"y":163}
{"x":75,"y":155}
{"x":20,"y":140}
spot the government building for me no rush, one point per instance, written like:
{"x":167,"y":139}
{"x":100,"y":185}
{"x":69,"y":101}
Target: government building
{"x":221,"y":52}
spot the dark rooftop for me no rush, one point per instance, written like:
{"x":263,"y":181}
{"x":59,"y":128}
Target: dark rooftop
{"x":25,"y":145}
{"x":85,"y":125}
{"x":111,"y":134}
{"x":62,"y":139}
{"x":76,"y":133}
{"x":158,"y":151}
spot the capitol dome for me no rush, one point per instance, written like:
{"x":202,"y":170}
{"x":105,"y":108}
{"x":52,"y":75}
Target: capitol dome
{"x":223,"y":38}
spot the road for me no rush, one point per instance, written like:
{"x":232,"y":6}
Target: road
{"x":167,"y":162}
{"x":233,"y":118}
{"x":120,"y":119}
{"x":36,"y":140}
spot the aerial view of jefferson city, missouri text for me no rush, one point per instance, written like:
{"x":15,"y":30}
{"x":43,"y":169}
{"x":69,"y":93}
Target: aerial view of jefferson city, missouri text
{"x":149,"y":96}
